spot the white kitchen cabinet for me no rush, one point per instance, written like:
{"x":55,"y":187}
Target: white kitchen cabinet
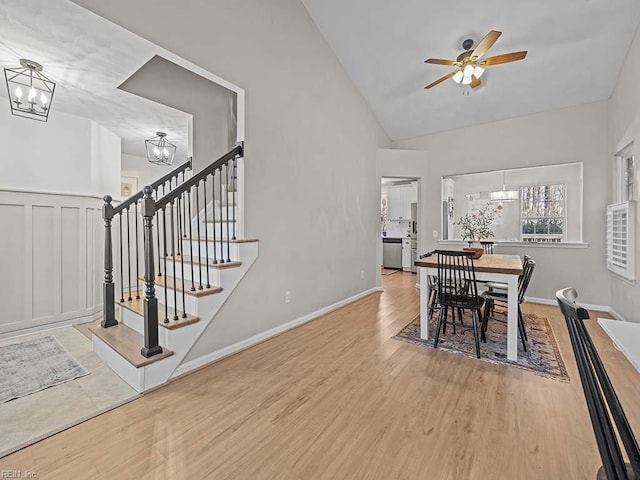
{"x":399,"y":199}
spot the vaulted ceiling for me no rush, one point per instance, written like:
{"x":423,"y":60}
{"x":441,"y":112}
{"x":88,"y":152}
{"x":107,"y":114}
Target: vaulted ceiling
{"x":576,"y":50}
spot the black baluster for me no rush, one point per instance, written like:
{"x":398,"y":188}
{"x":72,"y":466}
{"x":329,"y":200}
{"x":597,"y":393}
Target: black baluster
{"x":121,"y":259}
{"x":206,"y":236}
{"x":184,"y":306}
{"x":226,"y":171}
{"x":213,"y":210}
{"x":158,"y":235}
{"x":193,"y":287}
{"x":184,"y":226}
{"x":221,"y":215}
{"x":151,"y":344}
{"x":137,"y":253}
{"x":164,"y":241}
{"x":129,"y":254}
{"x":234,"y":187}
{"x":179,"y":229}
{"x":198,"y":228}
{"x":173,"y":256}
{"x":108,"y":288}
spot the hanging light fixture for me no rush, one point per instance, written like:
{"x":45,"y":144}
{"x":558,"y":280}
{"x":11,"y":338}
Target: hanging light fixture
{"x":159,"y":150}
{"x":30,"y":90}
{"x":504,"y":195}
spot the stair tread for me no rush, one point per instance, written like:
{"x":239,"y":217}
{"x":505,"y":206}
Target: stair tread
{"x":127,"y":342}
{"x":220,"y":265}
{"x":160,"y":280}
{"x":210,"y":239}
{"x":137,"y":306}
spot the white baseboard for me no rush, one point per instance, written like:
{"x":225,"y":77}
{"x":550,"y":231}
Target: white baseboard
{"x":249,"y":342}
{"x":53,"y":325}
{"x":616,"y":315}
{"x":588,"y":306}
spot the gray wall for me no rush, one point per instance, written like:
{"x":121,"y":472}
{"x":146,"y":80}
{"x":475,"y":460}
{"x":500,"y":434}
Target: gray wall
{"x":624,"y":128}
{"x":312,"y":194}
{"x":560,"y":136}
{"x":210,"y":105}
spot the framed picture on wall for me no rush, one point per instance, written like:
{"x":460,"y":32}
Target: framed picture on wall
{"x":128,"y":186}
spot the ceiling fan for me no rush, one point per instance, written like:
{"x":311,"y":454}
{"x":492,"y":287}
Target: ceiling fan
{"x":470,"y":66}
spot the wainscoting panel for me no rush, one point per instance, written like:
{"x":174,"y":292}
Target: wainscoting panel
{"x":52,"y":272}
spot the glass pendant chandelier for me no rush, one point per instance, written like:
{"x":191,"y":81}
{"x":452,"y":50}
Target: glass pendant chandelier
{"x":30,"y":90}
{"x":504,"y":195}
{"x":159,"y":150}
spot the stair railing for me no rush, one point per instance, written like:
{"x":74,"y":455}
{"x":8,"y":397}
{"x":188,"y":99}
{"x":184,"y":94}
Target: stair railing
{"x":128,"y":242}
{"x":195,"y":224}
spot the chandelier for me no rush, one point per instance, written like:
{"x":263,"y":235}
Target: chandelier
{"x":159,"y":150}
{"x":30,"y":90}
{"x":504,"y":195}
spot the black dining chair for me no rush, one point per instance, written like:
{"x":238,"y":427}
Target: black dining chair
{"x":488,"y":247}
{"x":500,"y":296}
{"x":457,"y":290}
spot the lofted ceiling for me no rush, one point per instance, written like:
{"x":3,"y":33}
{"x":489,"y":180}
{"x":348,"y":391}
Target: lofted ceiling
{"x":88,"y":58}
{"x":576,"y":50}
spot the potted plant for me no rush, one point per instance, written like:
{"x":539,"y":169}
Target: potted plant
{"x":476,"y":226}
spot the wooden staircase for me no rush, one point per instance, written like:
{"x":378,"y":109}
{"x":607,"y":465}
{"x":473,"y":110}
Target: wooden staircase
{"x":158,"y":317}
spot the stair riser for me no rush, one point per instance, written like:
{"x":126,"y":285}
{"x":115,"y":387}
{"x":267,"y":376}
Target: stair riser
{"x":214,"y":274}
{"x":190,"y":303}
{"x":221,"y":230}
{"x":220,"y":249}
{"x":136,"y":322}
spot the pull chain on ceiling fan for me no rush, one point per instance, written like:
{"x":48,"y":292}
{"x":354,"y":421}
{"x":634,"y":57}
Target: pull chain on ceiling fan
{"x":470,"y":66}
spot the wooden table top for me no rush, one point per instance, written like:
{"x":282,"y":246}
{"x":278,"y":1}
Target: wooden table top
{"x":490,"y":263}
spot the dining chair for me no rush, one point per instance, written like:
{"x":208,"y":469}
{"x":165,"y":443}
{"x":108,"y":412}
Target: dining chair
{"x":488,"y":247}
{"x":500,"y":296}
{"x":457,"y":290}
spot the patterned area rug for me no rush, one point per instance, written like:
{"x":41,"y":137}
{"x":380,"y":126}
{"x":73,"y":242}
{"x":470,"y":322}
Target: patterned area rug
{"x":542,"y":355}
{"x":33,"y":365}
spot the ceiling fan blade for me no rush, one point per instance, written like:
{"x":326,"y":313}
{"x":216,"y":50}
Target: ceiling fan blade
{"x":439,"y":61}
{"x":441,"y":79}
{"x":475,"y":81}
{"x":504,"y":58}
{"x":485,"y":44}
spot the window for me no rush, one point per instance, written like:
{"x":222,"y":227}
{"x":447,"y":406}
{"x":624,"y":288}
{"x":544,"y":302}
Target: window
{"x":530,"y":204}
{"x":621,"y":239}
{"x":542,"y":213}
{"x":624,"y":175}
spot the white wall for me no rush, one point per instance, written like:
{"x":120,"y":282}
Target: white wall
{"x":143,"y":170}
{"x":561,"y":136}
{"x":624,"y":128}
{"x":52,"y":265}
{"x":312,"y":194}
{"x":67,"y":154}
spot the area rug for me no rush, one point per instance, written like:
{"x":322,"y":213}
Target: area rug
{"x":388,"y":271}
{"x":33,"y":365}
{"x":542,"y":356}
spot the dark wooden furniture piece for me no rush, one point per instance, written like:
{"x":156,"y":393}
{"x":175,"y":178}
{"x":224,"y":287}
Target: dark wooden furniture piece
{"x":500,"y":296}
{"x":607,"y":416}
{"x":457,"y":290}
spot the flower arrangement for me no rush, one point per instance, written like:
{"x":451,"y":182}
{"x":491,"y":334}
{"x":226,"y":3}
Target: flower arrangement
{"x":477,"y":226}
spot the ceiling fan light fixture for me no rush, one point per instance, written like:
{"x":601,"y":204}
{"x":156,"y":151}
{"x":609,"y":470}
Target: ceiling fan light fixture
{"x":468,"y":70}
{"x":466,"y":80}
{"x":458,"y":76}
{"x":478,"y":71}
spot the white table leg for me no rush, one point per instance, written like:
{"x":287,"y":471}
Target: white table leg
{"x":512,"y":318}
{"x":424,"y":303}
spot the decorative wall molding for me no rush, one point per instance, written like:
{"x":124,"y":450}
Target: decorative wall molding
{"x":52,"y":267}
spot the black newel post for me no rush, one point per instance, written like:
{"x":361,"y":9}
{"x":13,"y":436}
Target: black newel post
{"x":108,"y":288}
{"x":151,"y":346}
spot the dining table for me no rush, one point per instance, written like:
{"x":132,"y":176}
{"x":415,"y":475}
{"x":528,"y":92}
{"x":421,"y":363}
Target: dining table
{"x":489,"y":268}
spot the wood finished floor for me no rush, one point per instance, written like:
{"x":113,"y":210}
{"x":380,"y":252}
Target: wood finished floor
{"x":338,"y":398}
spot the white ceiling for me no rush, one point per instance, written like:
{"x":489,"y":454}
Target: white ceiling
{"x":576,"y":50}
{"x":88,"y":58}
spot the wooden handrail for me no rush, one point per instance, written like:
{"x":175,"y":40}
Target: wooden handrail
{"x":138,"y":196}
{"x":236,"y":151}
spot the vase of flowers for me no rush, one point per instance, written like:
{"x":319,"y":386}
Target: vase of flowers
{"x":477,"y":226}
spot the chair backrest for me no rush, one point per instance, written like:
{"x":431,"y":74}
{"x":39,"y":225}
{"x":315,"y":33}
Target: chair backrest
{"x":524,"y":279}
{"x":601,"y":398}
{"x":456,"y":278}
{"x":487,"y":246}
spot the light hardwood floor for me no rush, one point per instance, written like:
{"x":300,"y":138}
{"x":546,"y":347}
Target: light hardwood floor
{"x":338,"y":398}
